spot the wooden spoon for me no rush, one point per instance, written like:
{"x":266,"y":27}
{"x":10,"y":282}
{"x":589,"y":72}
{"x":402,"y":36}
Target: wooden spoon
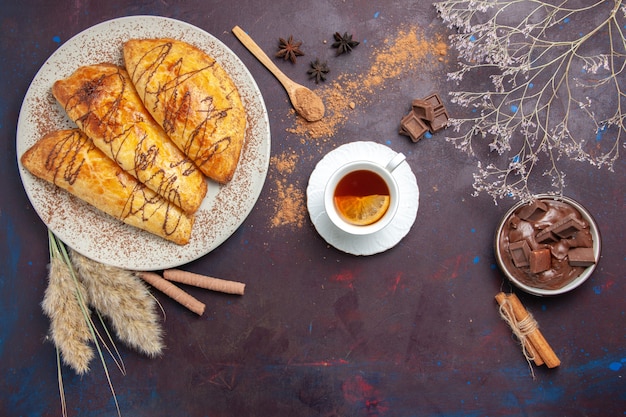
{"x":308,"y":104}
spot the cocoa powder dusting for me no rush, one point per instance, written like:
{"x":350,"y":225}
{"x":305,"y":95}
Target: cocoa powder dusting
{"x":289,"y":200}
{"x":308,"y":104}
{"x":284,"y":164}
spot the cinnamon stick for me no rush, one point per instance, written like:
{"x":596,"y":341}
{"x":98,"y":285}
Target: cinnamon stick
{"x":173,"y":292}
{"x":203,"y":281}
{"x":535,"y":337}
{"x":501,"y":299}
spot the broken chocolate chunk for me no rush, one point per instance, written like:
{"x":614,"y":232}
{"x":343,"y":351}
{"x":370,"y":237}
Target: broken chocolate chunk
{"x":520,"y":253}
{"x":427,"y":114}
{"x":533,"y":211}
{"x":440,"y":121}
{"x":546,"y":236}
{"x":568,"y":226}
{"x":540,"y":260}
{"x":414,"y":127}
{"x":580,"y":240}
{"x":581,"y":257}
{"x":435,"y":101}
{"x":423,"y":109}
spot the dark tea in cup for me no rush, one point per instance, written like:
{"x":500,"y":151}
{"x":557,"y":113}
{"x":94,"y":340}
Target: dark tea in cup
{"x":361,"y":197}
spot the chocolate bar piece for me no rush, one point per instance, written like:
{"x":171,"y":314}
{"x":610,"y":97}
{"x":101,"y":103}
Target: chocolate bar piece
{"x":440,"y":121}
{"x":427,"y":114}
{"x":423,"y":109}
{"x":581,"y":257}
{"x":435,"y":101}
{"x":533,"y":211}
{"x":540,"y":260}
{"x":580,"y":240}
{"x":568,"y":226}
{"x":413,"y":126}
{"x":520,"y":253}
{"x":546,"y":236}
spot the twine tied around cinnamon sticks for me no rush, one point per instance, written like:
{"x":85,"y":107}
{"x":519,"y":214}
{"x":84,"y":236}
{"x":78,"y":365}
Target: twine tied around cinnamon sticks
{"x":165,"y":285}
{"x":524,"y":326}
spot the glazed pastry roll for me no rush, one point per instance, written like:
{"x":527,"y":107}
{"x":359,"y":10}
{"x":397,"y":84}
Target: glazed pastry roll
{"x":69,"y":159}
{"x":104,"y":104}
{"x":193,"y":98}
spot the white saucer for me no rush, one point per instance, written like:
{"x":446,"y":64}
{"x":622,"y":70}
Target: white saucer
{"x":377,"y":242}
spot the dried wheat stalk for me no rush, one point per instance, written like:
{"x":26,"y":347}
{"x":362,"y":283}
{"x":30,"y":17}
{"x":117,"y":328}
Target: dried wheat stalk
{"x":125,"y":300}
{"x":64,"y":303}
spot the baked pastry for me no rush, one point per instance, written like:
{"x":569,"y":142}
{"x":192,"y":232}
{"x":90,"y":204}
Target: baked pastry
{"x":193,"y":98}
{"x":69,"y":159}
{"x":104,"y":104}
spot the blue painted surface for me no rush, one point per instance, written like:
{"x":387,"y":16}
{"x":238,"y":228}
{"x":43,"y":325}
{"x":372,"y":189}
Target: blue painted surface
{"x":10,"y":308}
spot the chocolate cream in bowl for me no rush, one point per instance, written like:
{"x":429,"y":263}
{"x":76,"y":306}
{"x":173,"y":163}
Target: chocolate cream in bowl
{"x":546,"y":244}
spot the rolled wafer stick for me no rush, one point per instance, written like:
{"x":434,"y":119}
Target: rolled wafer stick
{"x":532,"y":352}
{"x":173,"y":292}
{"x":203,"y":281}
{"x":535,"y":336}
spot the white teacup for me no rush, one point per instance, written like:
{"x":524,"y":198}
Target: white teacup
{"x":384,"y":173}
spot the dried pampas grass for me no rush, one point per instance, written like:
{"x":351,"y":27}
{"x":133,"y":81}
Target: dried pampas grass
{"x":125,"y":300}
{"x":65,"y":304}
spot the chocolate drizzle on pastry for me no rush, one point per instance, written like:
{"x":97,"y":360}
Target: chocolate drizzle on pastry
{"x":104,"y":104}
{"x":195,"y":101}
{"x":69,"y":159}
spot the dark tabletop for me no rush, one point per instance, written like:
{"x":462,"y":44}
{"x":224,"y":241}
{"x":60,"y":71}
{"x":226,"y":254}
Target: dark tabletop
{"x":412,"y":331}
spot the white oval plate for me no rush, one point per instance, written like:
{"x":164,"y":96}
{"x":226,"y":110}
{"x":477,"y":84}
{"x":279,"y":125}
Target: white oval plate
{"x":99,"y":236}
{"x":383,"y":239}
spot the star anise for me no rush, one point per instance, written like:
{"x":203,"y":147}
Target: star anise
{"x":344,"y":44}
{"x":288,"y":49}
{"x":318,"y":71}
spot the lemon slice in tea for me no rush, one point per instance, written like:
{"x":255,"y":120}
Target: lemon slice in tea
{"x":363,"y":210}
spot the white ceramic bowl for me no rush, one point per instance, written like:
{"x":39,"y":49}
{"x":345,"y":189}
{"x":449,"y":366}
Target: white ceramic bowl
{"x":576,"y":282}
